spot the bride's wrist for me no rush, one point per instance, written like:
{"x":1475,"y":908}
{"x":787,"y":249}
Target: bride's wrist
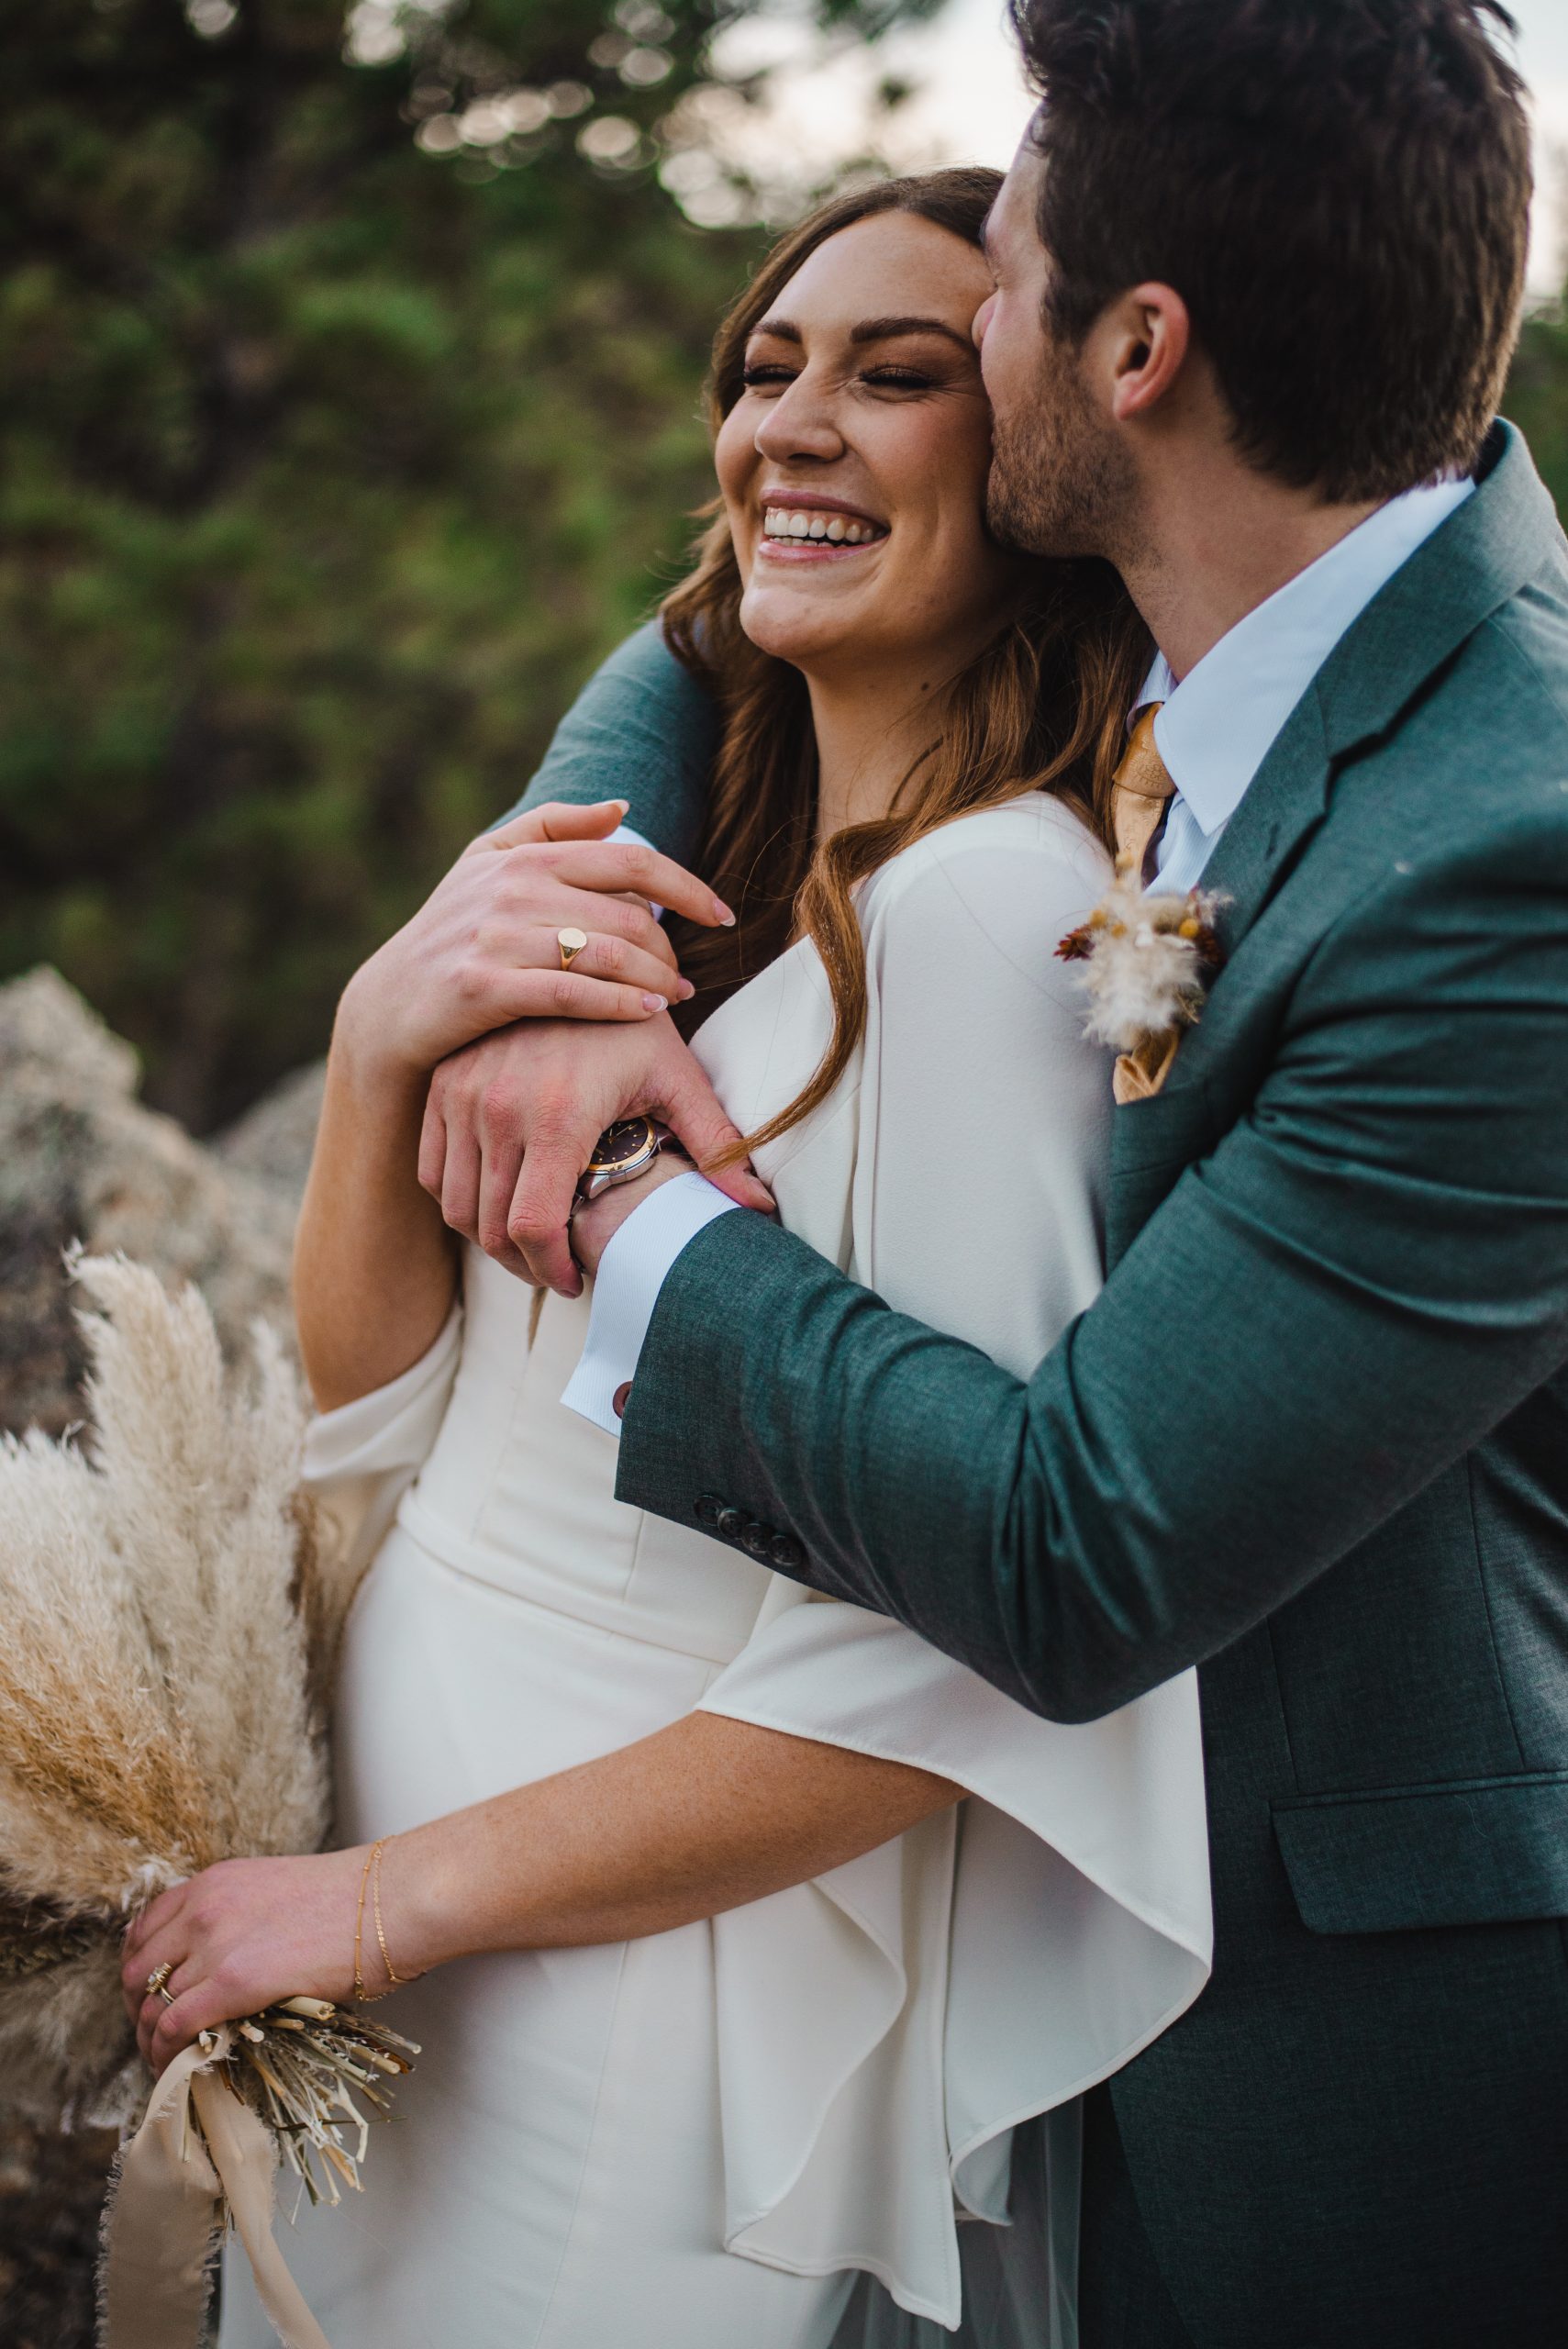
{"x":421,"y":1904}
{"x":364,"y":1051}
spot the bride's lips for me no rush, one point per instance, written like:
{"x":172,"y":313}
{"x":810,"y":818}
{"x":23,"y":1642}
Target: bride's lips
{"x":805,"y":525}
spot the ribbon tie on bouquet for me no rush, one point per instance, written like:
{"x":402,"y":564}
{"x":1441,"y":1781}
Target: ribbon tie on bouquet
{"x":198,"y":2149}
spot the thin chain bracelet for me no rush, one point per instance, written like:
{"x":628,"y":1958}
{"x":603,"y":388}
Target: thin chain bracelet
{"x":394,"y":1979}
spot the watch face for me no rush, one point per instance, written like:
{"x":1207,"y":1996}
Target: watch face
{"x":628,"y":1138}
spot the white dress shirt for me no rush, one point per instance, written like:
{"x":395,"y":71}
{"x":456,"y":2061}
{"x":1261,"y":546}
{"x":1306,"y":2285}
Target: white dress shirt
{"x":1218,"y":725}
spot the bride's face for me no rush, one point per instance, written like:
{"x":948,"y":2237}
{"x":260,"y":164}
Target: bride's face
{"x":854,"y":466}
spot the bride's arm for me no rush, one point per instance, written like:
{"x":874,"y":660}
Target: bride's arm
{"x":374,"y":1262}
{"x":696,"y":1818}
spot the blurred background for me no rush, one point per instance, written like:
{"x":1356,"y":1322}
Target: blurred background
{"x":351,"y":354}
{"x":349,"y":378}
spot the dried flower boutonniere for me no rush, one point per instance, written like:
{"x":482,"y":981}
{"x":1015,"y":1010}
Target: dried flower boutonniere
{"x":1150,"y":957}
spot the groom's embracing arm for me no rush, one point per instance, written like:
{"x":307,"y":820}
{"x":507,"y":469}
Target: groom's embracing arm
{"x":644,"y":731}
{"x":1368,"y":1273}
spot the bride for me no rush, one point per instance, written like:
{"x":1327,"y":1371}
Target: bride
{"x":742,"y":1929}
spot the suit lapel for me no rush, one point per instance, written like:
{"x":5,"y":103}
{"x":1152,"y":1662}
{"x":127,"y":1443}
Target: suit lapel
{"x":1467,"y":569}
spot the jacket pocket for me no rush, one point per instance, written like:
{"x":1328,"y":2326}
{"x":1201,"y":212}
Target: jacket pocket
{"x":1470,"y":1852}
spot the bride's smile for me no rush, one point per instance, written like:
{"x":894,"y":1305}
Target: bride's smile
{"x":853,"y":463}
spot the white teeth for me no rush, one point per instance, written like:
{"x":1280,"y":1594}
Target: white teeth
{"x":796,"y":522}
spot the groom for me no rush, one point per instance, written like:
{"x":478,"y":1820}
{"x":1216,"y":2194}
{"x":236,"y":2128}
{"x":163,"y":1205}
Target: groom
{"x":1259,"y":267}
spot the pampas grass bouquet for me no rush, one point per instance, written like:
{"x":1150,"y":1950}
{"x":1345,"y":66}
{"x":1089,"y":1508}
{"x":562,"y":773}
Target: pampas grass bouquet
{"x":169,"y":1625}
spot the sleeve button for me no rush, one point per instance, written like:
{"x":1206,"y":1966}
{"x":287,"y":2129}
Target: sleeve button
{"x":757,"y":1539}
{"x":731,"y":1523}
{"x":708,"y":1505}
{"x":786,"y":1552}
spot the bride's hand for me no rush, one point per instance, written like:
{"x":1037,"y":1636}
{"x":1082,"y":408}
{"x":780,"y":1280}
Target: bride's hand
{"x":240,"y":1935}
{"x":483,"y":950}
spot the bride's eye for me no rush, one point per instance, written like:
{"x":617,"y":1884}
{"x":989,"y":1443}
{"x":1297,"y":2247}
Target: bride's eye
{"x":761,"y":373}
{"x":898,"y":379}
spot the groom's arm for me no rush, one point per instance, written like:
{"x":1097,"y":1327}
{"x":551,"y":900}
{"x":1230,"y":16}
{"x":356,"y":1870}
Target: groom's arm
{"x":1369,"y":1272}
{"x":644,"y":731}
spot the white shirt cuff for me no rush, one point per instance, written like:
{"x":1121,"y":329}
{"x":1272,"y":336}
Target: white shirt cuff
{"x":632,"y":1271}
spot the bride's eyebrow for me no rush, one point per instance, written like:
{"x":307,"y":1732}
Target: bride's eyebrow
{"x":870,"y":331}
{"x":888,"y":329}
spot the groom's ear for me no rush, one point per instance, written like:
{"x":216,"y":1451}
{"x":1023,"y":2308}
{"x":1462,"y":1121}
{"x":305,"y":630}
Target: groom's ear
{"x":1145,"y":338}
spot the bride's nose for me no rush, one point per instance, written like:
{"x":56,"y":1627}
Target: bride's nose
{"x":800,"y":423}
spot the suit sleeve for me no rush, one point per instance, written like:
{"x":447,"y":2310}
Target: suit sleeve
{"x":641,"y":730}
{"x":1363,"y":1277}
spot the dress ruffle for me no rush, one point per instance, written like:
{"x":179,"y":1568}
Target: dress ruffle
{"x":987,"y":1966}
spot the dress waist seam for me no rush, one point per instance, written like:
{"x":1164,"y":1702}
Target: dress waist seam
{"x":511,"y":1576}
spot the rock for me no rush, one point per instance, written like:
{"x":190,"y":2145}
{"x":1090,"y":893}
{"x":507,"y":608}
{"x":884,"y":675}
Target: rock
{"x":274,"y":1140}
{"x":81,"y":1159}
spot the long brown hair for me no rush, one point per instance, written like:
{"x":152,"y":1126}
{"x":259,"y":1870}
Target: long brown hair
{"x":1042,"y":707}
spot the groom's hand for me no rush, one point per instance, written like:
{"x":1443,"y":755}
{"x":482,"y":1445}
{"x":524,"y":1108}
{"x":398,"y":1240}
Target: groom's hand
{"x":511,"y":1123}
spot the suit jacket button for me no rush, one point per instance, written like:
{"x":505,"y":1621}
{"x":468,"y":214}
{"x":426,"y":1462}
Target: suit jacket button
{"x":708,"y":1507}
{"x":730,"y":1523}
{"x":758,"y":1540}
{"x":786,"y":1552}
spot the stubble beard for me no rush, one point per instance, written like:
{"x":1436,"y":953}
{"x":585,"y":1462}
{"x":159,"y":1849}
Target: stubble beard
{"x":1059,"y":482}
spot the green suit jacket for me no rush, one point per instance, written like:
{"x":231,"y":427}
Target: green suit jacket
{"x":1312,"y":1437}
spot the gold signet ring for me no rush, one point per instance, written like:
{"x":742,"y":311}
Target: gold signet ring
{"x":571,"y":942}
{"x":156,"y":1980}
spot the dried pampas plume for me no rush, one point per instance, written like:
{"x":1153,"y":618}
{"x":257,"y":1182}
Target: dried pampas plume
{"x":162,"y":1583}
{"x":1148,"y":957}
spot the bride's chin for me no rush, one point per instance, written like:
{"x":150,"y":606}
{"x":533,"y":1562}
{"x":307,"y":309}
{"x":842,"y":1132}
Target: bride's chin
{"x":795,"y":635}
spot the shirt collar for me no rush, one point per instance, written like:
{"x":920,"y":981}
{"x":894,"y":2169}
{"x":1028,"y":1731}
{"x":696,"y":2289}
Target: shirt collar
{"x":1218,"y":725}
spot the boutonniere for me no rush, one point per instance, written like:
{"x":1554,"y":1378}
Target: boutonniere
{"x":1148,"y":957}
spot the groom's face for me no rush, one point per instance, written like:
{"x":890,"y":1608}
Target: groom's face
{"x":1059,"y":474}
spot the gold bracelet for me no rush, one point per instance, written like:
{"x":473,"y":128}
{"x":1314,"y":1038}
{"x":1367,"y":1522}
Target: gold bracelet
{"x":394,"y":1979}
{"x":361,"y":1993}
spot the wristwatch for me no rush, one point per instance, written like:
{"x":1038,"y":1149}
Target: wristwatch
{"x":622,"y":1153}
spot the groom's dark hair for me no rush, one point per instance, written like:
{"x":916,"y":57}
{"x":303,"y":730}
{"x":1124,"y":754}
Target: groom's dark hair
{"x":1340,"y":190}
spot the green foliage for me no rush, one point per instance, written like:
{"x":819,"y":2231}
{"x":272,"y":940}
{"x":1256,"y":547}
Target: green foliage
{"x":1538,"y":400}
{"x":335,"y":449}
{"x":330,"y":462}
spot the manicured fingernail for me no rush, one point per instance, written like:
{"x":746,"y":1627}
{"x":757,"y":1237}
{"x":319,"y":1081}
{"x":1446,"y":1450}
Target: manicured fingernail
{"x":726,"y":918}
{"x":654,"y":1003}
{"x":624,"y":804}
{"x":686,"y":991}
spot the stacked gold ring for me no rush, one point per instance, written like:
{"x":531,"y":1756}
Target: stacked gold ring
{"x":571,"y":942}
{"x":158,"y":1980}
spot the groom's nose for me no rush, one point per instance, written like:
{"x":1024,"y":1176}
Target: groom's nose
{"x":982,"y":319}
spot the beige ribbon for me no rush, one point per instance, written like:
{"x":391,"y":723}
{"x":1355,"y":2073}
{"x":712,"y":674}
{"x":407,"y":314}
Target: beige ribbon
{"x":166,"y":2205}
{"x":1140,"y":1075}
{"x":1141,"y":791}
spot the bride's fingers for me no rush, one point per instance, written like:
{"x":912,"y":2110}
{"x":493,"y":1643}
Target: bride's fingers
{"x":558,"y":820}
{"x":607,"y":957}
{"x":623,"y":865}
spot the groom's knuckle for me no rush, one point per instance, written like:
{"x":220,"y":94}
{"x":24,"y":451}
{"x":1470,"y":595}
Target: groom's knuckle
{"x":500,"y":1109}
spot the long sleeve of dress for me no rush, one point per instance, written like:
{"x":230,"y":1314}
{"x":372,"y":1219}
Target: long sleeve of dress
{"x":992,"y":1963}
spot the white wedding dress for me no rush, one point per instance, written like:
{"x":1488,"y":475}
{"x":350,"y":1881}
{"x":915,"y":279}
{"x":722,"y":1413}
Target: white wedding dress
{"x":695,"y":2141}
